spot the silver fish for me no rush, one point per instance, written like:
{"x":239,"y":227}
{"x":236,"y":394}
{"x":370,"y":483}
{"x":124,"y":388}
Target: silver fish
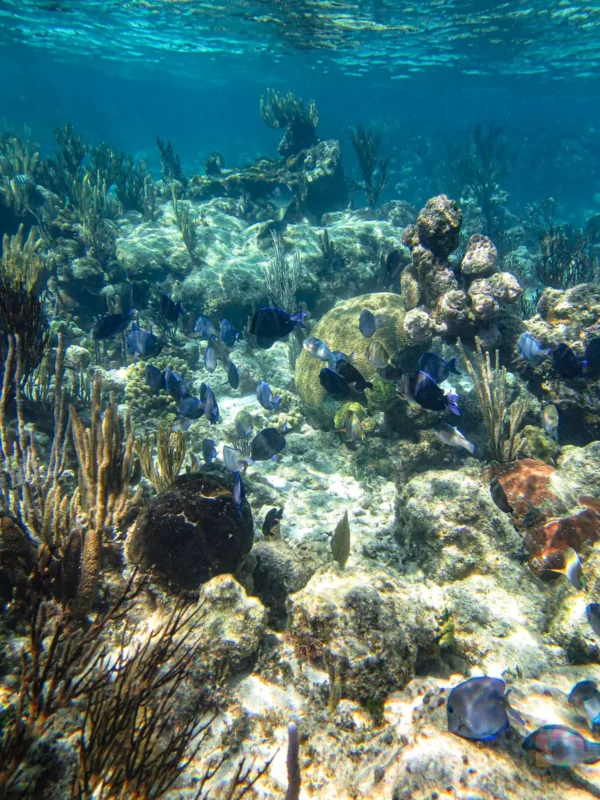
{"x":453,"y":437}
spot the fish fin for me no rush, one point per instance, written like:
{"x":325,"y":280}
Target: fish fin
{"x":512,"y":711}
{"x":452,"y":367}
{"x":368,"y":385}
{"x":451,"y":403}
{"x":471,"y":447}
{"x":593,"y":750}
{"x":299,"y":317}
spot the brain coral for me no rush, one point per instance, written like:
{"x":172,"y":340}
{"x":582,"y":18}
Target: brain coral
{"x":339,"y":330}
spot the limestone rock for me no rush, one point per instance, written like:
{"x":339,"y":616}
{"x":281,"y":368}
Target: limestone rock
{"x":451,"y":526}
{"x":233,"y":625}
{"x":480,"y":258}
{"x":581,"y":466}
{"x":369,"y":621}
{"x":438,"y":225}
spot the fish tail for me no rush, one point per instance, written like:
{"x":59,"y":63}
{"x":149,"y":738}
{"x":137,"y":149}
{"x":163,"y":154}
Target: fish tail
{"x":452,"y":367}
{"x":297,"y":318}
{"x":470,"y":447}
{"x":368,"y":385}
{"x":592,"y":750}
{"x":451,"y":404}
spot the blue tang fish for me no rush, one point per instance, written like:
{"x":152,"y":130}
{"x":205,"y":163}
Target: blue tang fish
{"x":478,"y":709}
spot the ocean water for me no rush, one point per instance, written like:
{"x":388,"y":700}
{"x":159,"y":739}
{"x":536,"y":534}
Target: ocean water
{"x":299,"y":400}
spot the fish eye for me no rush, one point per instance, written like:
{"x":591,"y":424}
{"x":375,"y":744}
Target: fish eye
{"x":450,"y":709}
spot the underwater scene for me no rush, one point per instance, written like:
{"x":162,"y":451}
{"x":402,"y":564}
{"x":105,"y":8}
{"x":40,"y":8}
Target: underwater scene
{"x":299,"y":400}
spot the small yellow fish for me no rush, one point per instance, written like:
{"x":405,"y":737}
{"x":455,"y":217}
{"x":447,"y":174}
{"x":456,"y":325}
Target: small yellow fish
{"x":572,"y":569}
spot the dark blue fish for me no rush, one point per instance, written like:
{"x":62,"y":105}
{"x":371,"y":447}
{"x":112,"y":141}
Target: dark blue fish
{"x":437,"y":367}
{"x":190,"y":407}
{"x":142,"y":343}
{"x":154,"y":377}
{"x":211,"y":409}
{"x":210,"y":358}
{"x":478,"y":709}
{"x":265,"y":396}
{"x":175,"y":384}
{"x":233,"y":375}
{"x":531,"y":350}
{"x":238,"y":491}
{"x":271,"y":323}
{"x":170,"y":310}
{"x":111,"y":324}
{"x":271,"y":521}
{"x":228,"y":333}
{"x":204,"y":328}
{"x":266,"y":444}
{"x":333,"y":382}
{"x":429,"y":395}
{"x":390,"y":373}
{"x":352,"y":376}
{"x":592,"y":357}
{"x":499,"y":496}
{"x":566,"y":362}
{"x":368,"y":323}
{"x":592,"y":613}
{"x":209,"y":451}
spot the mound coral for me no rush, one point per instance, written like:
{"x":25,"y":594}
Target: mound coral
{"x":191,"y":532}
{"x":339,"y":330}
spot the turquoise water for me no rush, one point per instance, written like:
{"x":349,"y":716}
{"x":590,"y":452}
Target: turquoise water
{"x":193,"y":72}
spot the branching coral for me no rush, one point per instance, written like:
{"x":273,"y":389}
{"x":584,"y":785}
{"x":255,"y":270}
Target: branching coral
{"x":282,"y":275}
{"x":567,"y":254}
{"x":17,"y":156}
{"x":481,"y":165}
{"x":171,"y":447}
{"x":491,"y":389}
{"x":171,"y":165}
{"x":21,"y":309}
{"x":131,"y":178}
{"x":373,"y":169}
{"x":187,"y":224}
{"x":287,"y":111}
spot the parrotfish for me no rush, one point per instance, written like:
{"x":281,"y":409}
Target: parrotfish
{"x":453,"y":437}
{"x":479,"y":709}
{"x":318,"y":349}
{"x":585,"y":699}
{"x":560,"y":746}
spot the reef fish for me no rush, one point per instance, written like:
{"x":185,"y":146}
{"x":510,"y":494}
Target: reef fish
{"x":368,"y":323}
{"x":111,"y":324}
{"x":243,"y":424}
{"x":266,"y":444}
{"x":190,"y":407}
{"x":265,"y":396}
{"x":572,"y":569}
{"x":425,"y":391}
{"x":170,"y":310}
{"x":174,"y":384}
{"x":333,"y":382}
{"x":352,"y":376}
{"x":592,"y":357}
{"x":390,"y":373}
{"x":210,"y":358}
{"x":142,"y":343}
{"x":585,"y":699}
{"x":318,"y":349}
{"x":229,"y":335}
{"x":211,"y":408}
{"x":479,"y":709}
{"x":352,"y":426}
{"x":204,"y":328}
{"x":209,"y":451}
{"x":154,"y":377}
{"x":271,"y":323}
{"x":233,"y":376}
{"x":560,"y":746}
{"x":566,"y":362}
{"x":271,"y":521}
{"x":234,"y":459}
{"x":550,"y":421}
{"x":238,"y":491}
{"x":377,"y":354}
{"x":452,"y":436}
{"x":592,"y":613}
{"x":531,"y":350}
{"x":437,"y":367}
{"x":499,"y":496}
{"x":281,"y":197}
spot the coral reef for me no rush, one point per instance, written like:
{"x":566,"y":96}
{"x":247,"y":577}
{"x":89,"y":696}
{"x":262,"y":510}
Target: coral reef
{"x":191,"y":532}
{"x":287,"y":111}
